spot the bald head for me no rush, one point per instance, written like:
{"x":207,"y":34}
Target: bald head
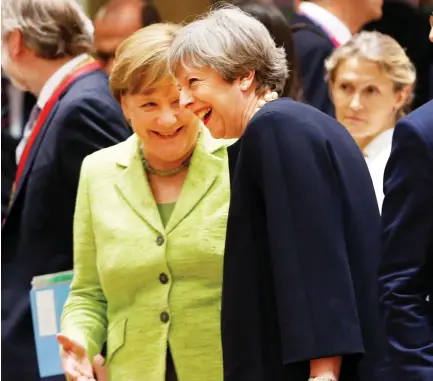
{"x":115,"y":22}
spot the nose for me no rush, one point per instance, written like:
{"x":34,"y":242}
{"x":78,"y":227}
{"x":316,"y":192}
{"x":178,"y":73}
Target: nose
{"x":185,"y":98}
{"x":355,"y":103}
{"x":167,"y":118}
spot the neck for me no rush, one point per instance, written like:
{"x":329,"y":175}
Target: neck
{"x":250,"y":110}
{"x":345,"y":13}
{"x":364,"y":142}
{"x":42,"y":70}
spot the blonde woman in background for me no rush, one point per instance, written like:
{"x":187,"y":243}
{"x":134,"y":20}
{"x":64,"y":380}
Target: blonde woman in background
{"x":371,"y":80}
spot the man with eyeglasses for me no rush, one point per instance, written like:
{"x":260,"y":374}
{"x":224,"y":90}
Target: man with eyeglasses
{"x":115,"y":22}
{"x":406,"y":275}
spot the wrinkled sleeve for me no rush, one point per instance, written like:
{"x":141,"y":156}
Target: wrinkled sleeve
{"x":84,"y":315}
{"x":293,"y":169}
{"x":407,"y":241}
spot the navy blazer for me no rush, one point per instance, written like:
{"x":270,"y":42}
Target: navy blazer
{"x":302,"y":251}
{"x":312,"y":47}
{"x":406,"y":274}
{"x":37,"y":234}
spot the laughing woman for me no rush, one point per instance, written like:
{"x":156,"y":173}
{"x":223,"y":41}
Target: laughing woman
{"x":149,"y":234}
{"x":303,"y":236}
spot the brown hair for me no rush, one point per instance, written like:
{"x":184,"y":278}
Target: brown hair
{"x":141,"y":60}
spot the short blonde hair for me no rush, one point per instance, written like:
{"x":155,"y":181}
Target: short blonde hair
{"x":383,"y":50}
{"x":141,"y":60}
{"x":51,"y":28}
{"x":233,"y":43}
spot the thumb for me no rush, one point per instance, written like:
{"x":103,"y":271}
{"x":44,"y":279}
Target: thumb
{"x":100,"y":370}
{"x":70,"y":345}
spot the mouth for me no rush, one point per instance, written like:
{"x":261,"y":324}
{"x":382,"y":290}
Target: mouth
{"x":205,"y":114}
{"x":354,"y":119}
{"x":168,"y":135}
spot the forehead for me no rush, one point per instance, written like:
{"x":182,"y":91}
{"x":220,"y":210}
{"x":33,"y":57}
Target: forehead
{"x":185,"y":72}
{"x":359,"y":70}
{"x":111,"y":30}
{"x":164,"y":88}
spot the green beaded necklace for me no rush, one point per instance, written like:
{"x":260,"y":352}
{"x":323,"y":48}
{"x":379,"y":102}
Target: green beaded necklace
{"x":160,"y":172}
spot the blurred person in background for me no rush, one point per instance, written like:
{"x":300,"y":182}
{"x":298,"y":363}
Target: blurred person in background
{"x":300,"y":271}
{"x":149,"y":232}
{"x":413,"y":39}
{"x":406,"y":275}
{"x":279,"y":28}
{"x":45,"y":50}
{"x":371,"y":81}
{"x":115,"y":22}
{"x":16,"y":106}
{"x":319,"y":27}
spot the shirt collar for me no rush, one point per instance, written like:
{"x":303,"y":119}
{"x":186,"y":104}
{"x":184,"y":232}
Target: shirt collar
{"x":381,"y":142}
{"x":333,"y":25}
{"x":55,"y":80}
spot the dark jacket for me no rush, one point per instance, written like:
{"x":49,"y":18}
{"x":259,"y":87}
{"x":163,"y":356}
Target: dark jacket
{"x":413,"y":39}
{"x":37,"y":234}
{"x":407,"y":259}
{"x":302,"y":251}
{"x":313,"y":46}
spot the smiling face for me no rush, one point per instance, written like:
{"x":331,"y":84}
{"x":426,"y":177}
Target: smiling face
{"x":222,"y":106}
{"x":365,"y":99}
{"x":167,"y":132}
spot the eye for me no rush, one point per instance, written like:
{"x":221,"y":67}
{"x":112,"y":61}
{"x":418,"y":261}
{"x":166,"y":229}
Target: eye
{"x":371,"y":90}
{"x":345,"y":87}
{"x":192,"y":81}
{"x":148,"y":105}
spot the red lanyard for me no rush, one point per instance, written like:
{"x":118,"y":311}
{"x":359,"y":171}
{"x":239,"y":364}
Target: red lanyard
{"x":46,"y":111}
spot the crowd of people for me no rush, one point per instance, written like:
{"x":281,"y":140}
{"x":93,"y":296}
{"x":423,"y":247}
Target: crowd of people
{"x":240,"y":198}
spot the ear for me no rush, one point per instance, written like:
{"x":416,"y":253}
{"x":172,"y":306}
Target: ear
{"x":402,"y":96}
{"x":15,"y":44}
{"x":246,"y":81}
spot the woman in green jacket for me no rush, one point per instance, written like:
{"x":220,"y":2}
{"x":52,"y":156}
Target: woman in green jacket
{"x":149,"y":234}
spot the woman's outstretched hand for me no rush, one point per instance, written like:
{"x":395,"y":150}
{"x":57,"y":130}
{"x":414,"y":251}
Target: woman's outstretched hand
{"x":75,"y":360}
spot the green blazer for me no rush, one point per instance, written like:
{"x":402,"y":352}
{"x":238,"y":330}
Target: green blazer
{"x":139,"y":285}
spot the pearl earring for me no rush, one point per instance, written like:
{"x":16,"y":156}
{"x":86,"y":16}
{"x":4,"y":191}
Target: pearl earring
{"x":244,"y":86}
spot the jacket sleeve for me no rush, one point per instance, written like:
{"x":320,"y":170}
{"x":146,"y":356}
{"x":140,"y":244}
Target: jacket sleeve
{"x":84,"y":314}
{"x":407,"y":243}
{"x":305,"y":224}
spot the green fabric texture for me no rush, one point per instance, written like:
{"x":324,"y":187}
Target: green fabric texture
{"x":139,"y":284}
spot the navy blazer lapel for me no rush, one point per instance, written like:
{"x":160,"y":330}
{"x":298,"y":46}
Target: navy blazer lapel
{"x":31,"y":158}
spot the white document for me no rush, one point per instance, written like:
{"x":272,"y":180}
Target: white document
{"x":46,"y":310}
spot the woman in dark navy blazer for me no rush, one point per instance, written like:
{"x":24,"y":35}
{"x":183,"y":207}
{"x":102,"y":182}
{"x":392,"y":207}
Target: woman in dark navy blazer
{"x":300,"y":293}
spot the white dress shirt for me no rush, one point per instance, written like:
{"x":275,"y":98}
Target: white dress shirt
{"x":325,"y":19}
{"x":47,"y":91}
{"x":377,"y":154}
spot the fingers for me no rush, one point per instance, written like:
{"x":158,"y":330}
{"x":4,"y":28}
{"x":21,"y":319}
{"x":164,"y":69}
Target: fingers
{"x":70,"y":345}
{"x":99,"y":368}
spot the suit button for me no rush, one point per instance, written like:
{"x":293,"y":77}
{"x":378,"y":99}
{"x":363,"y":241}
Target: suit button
{"x":164,"y":317}
{"x":163,"y":278}
{"x":160,"y":240}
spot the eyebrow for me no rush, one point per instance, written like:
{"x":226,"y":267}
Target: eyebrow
{"x":148,"y":92}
